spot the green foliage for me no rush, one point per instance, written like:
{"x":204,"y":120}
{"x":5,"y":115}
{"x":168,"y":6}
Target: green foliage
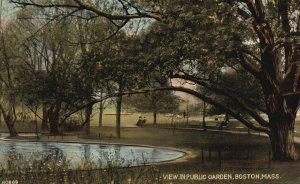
{"x":195,"y":37}
{"x":119,"y":64}
{"x":72,"y":124}
{"x":51,"y":170}
{"x":243,"y":85}
{"x":201,"y":39}
{"x":57,"y":71}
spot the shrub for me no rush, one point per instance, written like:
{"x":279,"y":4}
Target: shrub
{"x":49,"y":169}
{"x":72,"y":124}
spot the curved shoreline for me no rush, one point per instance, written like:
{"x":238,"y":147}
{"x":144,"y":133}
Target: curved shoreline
{"x":187,"y":154}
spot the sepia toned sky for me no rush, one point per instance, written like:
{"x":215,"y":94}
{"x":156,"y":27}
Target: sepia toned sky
{"x":7,"y":9}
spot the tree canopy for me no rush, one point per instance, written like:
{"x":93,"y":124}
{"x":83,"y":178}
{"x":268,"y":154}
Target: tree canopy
{"x":199,"y":42}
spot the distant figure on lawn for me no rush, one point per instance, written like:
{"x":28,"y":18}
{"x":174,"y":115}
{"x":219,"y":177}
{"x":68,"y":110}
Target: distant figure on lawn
{"x":141,"y":122}
{"x":224,"y":123}
{"x":144,"y":121}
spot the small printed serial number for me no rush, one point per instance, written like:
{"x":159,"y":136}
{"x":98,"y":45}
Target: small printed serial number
{"x":10,"y":182}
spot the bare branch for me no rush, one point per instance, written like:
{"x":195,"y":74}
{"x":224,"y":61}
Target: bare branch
{"x":119,"y":27}
{"x":33,"y":111}
{"x":83,"y":6}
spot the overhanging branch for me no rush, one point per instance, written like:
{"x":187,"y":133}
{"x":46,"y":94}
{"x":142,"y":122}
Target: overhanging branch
{"x":224,"y":92}
{"x":236,"y":115}
{"x":247,"y":66}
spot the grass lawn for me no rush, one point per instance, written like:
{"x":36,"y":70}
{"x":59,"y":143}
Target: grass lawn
{"x":130,"y":119}
{"x":241,"y":154}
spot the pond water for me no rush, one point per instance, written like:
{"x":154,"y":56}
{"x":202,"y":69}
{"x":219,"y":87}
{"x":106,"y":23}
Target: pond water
{"x":76,"y":154}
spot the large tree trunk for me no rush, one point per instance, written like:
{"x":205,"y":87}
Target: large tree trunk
{"x":87,"y":123}
{"x":12,"y":130}
{"x":54,"y":125}
{"x":282,"y":115}
{"x":282,"y":138}
{"x":118,"y":116}
{"x":11,"y":126}
{"x":281,"y":110}
{"x":45,"y":118}
{"x":54,"y":118}
{"x":9,"y":119}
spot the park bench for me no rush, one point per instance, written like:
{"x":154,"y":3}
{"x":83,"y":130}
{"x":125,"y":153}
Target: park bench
{"x":221,"y":125}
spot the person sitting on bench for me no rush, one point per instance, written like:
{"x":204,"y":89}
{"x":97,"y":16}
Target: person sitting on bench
{"x":143,"y":121}
{"x":139,"y":122}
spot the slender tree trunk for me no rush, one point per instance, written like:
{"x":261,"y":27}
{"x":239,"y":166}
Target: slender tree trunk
{"x":203,"y":116}
{"x":88,"y":113}
{"x":23,"y":114}
{"x":282,"y":138}
{"x":226,"y":117}
{"x":0,"y":118}
{"x":101,"y":109}
{"x":36,"y":122}
{"x":45,"y":119}
{"x":187,"y":112}
{"x":154,"y":117}
{"x":118,"y":116}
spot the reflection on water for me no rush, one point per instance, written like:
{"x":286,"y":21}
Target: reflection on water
{"x":77,"y":154}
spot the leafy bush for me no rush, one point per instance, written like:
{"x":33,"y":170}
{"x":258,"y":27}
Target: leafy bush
{"x":49,"y":169}
{"x":72,"y":124}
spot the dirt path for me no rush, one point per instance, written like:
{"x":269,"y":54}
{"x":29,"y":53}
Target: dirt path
{"x":296,"y":139}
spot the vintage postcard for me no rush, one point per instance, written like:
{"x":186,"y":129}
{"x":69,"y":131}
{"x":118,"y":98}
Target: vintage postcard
{"x":149,"y":91}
